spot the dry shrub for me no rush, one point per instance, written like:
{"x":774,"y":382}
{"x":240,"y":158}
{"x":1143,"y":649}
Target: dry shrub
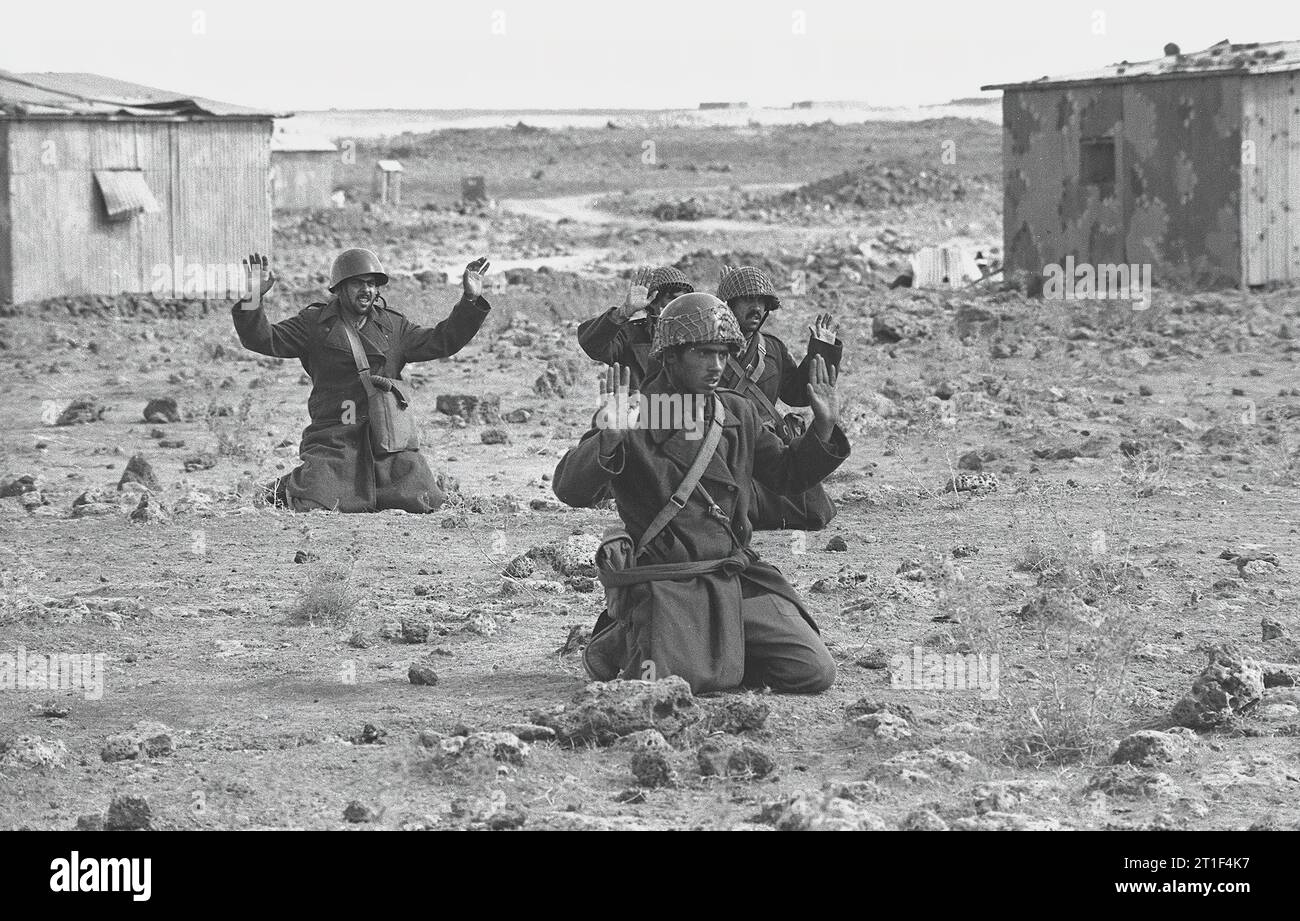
{"x":330,"y":596}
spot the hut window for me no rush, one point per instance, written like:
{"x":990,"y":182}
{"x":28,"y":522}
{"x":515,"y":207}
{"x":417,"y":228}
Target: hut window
{"x":126,"y":194}
{"x":1097,"y":161}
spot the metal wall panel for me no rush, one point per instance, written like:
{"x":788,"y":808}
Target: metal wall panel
{"x":1270,"y":184}
{"x":210,"y":178}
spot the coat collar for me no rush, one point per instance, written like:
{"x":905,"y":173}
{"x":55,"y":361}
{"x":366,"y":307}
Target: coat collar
{"x":376,"y":335}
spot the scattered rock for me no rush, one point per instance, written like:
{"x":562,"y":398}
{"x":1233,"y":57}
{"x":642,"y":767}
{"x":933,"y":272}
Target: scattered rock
{"x":305,"y":556}
{"x":1006,"y":821}
{"x":148,"y":510}
{"x":415,"y":630}
{"x":146,"y":739}
{"x":1228,"y":685}
{"x":79,"y":412}
{"x":518,"y":416}
{"x":923,"y":766}
{"x":727,"y":758}
{"x":653,"y":767}
{"x":1150,"y":747}
{"x":32,"y":752}
{"x":494,"y":437}
{"x":645,"y":738}
{"x":822,"y":812}
{"x":521,"y":567}
{"x":358,"y":812}
{"x":204,"y":460}
{"x":499,"y":816}
{"x":528,"y":732}
{"x":470,"y":408}
{"x":884,"y":725}
{"x":18,"y":486}
{"x":480,"y":747}
{"x":422,"y":673}
{"x":162,"y":410}
{"x":94,"y":502}
{"x":604,"y":711}
{"x":370,"y":734}
{"x":836,"y":544}
{"x":924,"y":820}
{"x":1272,"y":629}
{"x":1128,"y":780}
{"x":873,"y":657}
{"x":359,"y":640}
{"x":127,"y":813}
{"x":736,"y":713}
{"x":89,"y":821}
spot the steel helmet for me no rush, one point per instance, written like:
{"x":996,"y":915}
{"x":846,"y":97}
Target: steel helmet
{"x":696,"y":319}
{"x":748,"y":281}
{"x":353,"y":262}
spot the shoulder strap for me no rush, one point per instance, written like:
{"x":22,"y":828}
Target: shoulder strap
{"x":677,"y":501}
{"x":750,"y":389}
{"x":359,"y":356}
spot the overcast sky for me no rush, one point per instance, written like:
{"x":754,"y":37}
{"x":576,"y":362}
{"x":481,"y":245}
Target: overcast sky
{"x":583,"y":54}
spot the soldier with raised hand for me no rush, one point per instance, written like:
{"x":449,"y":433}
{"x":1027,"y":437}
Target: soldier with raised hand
{"x":341,"y":469}
{"x":766,"y":373}
{"x":687,"y":594}
{"x":621,"y":335}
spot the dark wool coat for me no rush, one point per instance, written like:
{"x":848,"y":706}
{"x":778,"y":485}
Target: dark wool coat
{"x":781,"y":378}
{"x":339,"y":470}
{"x":628,"y":344}
{"x":648,"y":465}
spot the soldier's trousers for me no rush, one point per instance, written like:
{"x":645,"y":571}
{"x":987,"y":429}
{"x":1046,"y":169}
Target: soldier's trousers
{"x":782,"y":651}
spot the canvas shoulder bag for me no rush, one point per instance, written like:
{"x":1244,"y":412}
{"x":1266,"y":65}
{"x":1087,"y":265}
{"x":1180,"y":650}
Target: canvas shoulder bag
{"x":392,"y":426}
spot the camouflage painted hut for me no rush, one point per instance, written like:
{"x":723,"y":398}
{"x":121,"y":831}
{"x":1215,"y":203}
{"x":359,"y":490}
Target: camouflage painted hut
{"x":1188,"y":162}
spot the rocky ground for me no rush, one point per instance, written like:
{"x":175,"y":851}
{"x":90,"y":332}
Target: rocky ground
{"x":1104,"y":498}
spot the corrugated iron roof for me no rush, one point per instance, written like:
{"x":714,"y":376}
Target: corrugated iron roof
{"x":81,"y":95}
{"x":1223,"y":57}
{"x":125,"y":193}
{"x":288,"y":140}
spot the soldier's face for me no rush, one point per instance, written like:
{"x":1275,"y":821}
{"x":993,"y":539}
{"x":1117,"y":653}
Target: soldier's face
{"x":749,"y":312}
{"x":662,"y":297}
{"x":698,"y":368}
{"x":360,"y":293}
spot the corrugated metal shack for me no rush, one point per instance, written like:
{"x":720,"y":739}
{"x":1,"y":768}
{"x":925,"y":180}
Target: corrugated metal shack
{"x":1189,"y":162}
{"x":109,"y":187}
{"x":302,"y":169}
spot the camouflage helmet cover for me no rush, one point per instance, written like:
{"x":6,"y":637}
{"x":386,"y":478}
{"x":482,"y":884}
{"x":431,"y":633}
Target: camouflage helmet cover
{"x":747,"y":281}
{"x":696,"y":319}
{"x":668,"y":277}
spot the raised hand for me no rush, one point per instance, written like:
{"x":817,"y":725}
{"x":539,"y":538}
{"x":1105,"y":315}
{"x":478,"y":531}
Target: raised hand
{"x":619,"y":409}
{"x":472,"y":280}
{"x":259,"y":278}
{"x":638,"y":294}
{"x":823,"y":329}
{"x":823,"y":397}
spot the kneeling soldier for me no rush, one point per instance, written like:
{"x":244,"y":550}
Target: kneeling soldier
{"x":617,"y":337}
{"x":687,"y":595}
{"x":766,"y":372}
{"x":354,"y":348}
